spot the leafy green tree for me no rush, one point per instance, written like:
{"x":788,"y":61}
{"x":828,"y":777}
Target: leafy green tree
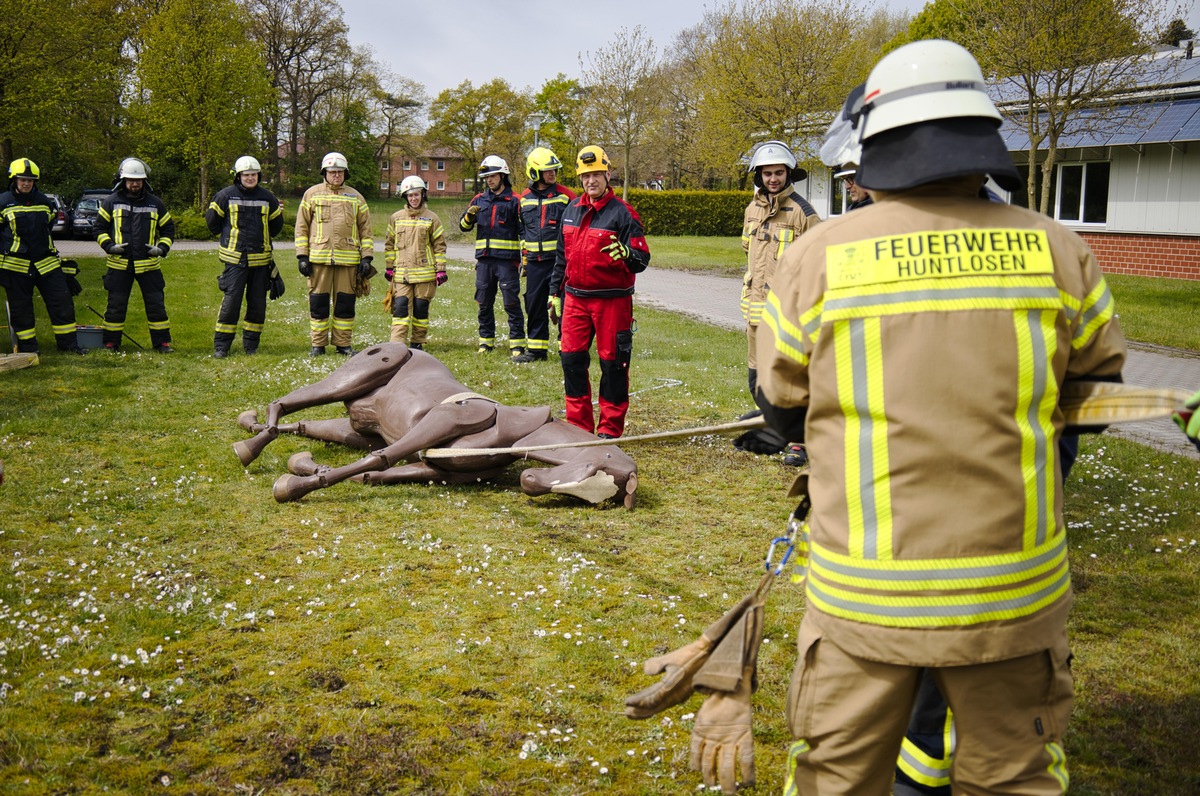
{"x":558,"y":101}
{"x":203,"y":85}
{"x":61,"y":76}
{"x":774,"y":69}
{"x":1175,"y":32}
{"x":488,"y":120}
{"x":621,"y":93}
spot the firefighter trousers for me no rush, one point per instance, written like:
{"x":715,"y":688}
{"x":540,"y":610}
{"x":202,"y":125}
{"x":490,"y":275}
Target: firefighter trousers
{"x":119,"y":284}
{"x":609,"y":321}
{"x":19,"y":287}
{"x":492,"y":274}
{"x":236,"y":281}
{"x":331,"y":302}
{"x":848,"y":716}
{"x":537,"y":295}
{"x":410,"y":310}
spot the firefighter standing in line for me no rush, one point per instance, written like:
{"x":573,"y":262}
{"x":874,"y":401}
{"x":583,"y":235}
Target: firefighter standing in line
{"x":542,"y":207}
{"x":415,"y":253}
{"x":600,"y":248}
{"x":919,"y":347}
{"x":774,"y":219}
{"x":246,"y":216}
{"x":29,"y":260}
{"x":334,"y":250}
{"x":136,"y":232}
{"x":497,"y":213}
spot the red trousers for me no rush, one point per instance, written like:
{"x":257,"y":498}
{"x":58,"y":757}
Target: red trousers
{"x":609,"y":321}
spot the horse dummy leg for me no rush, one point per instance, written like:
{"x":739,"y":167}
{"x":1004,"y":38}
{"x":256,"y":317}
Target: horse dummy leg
{"x":442,"y":423}
{"x":361,"y":375}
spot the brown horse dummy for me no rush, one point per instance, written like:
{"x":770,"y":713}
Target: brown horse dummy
{"x":402,"y":401}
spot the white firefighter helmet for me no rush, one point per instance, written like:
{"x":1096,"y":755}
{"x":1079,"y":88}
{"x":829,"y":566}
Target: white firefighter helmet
{"x":133,"y":169}
{"x":413,"y":183}
{"x":841,"y":150}
{"x":335,"y":161}
{"x":493,"y":164}
{"x":775,"y":153}
{"x":246,"y":163}
{"x":924,"y":81}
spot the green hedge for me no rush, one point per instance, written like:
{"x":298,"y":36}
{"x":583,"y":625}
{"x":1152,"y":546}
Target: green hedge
{"x":704,"y":213}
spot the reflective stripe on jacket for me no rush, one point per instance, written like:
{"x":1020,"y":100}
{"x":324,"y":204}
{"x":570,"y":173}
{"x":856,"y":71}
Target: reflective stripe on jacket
{"x":497,"y":225}
{"x":246,"y":221}
{"x":928,"y":336}
{"x":770,"y":225}
{"x":333,"y":226}
{"x":25,"y":232}
{"x":541,"y":215}
{"x":139,"y":222}
{"x":581,"y":267}
{"x":415,"y":245}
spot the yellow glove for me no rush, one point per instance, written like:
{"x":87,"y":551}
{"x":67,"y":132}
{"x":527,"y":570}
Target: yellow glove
{"x":554,"y":306}
{"x":618,"y":251}
{"x":472,"y":211}
{"x":722,"y":740}
{"x":1188,"y":419}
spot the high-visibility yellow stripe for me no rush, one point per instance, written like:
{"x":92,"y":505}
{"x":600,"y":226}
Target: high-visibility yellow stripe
{"x":886,"y":576}
{"x":941,"y":610}
{"x":788,"y":337}
{"x":923,"y":767}
{"x":796,"y":750}
{"x":497,"y":243}
{"x":1098,"y":309}
{"x":982,"y":293}
{"x":1058,"y":765}
{"x":858,"y":353}
{"x":1037,"y":397}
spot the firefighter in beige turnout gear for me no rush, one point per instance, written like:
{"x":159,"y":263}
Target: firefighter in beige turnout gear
{"x":415,"y":253}
{"x":775,"y":217}
{"x":334,"y":250}
{"x":920,"y":346}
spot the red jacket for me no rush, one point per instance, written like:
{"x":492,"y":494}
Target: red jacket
{"x":581,"y":267}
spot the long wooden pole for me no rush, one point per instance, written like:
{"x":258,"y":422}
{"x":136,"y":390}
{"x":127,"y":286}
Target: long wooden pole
{"x":1091,"y":403}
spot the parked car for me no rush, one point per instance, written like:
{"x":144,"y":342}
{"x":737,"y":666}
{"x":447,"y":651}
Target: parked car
{"x":83,"y":225}
{"x":61,"y":226}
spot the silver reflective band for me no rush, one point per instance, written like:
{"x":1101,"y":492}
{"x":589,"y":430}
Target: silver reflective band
{"x":876,"y":100}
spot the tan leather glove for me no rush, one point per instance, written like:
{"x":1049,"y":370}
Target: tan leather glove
{"x":722,"y":741}
{"x":680,"y":666}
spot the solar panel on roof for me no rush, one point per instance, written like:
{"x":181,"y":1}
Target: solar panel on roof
{"x":1171,"y":122}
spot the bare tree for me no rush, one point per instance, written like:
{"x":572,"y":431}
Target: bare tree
{"x":621,"y":92}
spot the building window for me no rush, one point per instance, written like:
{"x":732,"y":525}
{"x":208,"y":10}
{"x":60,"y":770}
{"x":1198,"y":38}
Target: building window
{"x":838,"y":198}
{"x":441,"y":185}
{"x":1082,"y":194}
{"x":424,"y":165}
{"x":408,"y":165}
{"x":385,"y":166}
{"x":441,"y":165}
{"x":383,"y":186}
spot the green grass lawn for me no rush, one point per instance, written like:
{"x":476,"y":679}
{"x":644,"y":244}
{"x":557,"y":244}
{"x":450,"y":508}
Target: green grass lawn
{"x":167,"y":627}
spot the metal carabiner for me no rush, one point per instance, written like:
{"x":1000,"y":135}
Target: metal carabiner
{"x":778,"y":540}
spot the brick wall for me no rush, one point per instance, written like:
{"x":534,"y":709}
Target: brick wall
{"x":1170,"y":256}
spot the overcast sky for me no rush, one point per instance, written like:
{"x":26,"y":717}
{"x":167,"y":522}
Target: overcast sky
{"x":442,"y":43}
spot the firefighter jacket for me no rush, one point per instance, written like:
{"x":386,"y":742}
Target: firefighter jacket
{"x":580,"y":266}
{"x":139,"y":222}
{"x":416,"y":245}
{"x":246,"y":221}
{"x":769,"y":226}
{"x":333,"y":226}
{"x":25,"y":232}
{"x":541,"y":214}
{"x":498,"y":225}
{"x":921,"y":345}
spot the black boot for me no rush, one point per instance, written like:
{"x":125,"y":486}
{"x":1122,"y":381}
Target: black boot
{"x":220,"y":353}
{"x":531,"y":356}
{"x":344,"y":350}
{"x":317,"y":351}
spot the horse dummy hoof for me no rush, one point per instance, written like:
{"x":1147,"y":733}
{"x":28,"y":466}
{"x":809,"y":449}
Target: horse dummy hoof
{"x":630,"y":488}
{"x":244,"y":452}
{"x":248,"y":419}
{"x":292,"y":487}
{"x":301,"y":463}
